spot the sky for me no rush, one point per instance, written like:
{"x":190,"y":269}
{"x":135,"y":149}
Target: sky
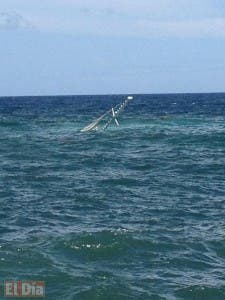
{"x":62,"y":47}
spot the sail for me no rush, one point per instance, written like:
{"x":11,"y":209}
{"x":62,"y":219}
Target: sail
{"x":115,"y":111}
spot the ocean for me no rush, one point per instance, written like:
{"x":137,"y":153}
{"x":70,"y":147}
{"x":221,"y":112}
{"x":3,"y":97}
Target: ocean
{"x":134,"y":212}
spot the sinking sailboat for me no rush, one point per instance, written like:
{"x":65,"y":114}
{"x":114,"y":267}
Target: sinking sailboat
{"x":108,"y":117}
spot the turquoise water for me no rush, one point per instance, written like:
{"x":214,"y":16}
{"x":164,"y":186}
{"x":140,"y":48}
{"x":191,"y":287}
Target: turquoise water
{"x":135,"y":212}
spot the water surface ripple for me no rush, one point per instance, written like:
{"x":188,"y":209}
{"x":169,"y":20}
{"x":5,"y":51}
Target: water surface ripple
{"x":135,"y":212}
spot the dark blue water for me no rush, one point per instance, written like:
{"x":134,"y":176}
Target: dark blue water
{"x":135,"y":212}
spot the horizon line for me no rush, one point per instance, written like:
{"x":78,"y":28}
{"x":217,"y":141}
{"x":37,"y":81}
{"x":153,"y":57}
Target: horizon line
{"x":111,"y":94}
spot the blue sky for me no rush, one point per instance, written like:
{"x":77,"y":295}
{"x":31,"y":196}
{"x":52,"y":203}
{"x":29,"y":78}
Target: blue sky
{"x":54,"y":47}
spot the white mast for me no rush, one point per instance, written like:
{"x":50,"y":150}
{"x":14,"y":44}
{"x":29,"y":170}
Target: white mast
{"x":116,"y":111}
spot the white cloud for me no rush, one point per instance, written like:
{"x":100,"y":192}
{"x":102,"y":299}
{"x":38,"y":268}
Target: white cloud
{"x":13,"y":21}
{"x":136,"y":18}
{"x":144,"y":28}
{"x":153,"y":9}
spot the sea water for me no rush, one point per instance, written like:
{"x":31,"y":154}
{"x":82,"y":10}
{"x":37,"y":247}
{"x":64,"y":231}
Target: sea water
{"x":134,"y":212}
